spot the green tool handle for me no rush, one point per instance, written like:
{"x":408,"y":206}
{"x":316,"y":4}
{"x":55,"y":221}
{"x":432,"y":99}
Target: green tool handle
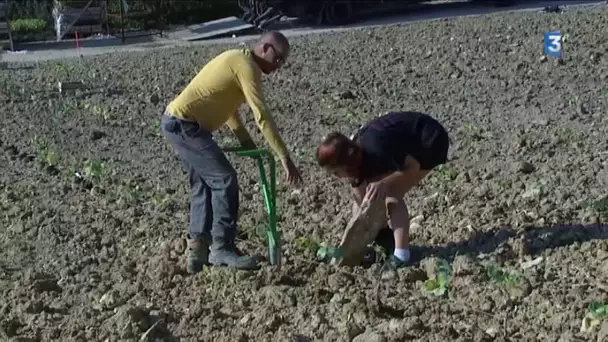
{"x":258,"y":154}
{"x":268,"y":191}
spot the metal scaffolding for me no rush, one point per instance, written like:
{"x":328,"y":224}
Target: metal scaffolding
{"x":5,"y":26}
{"x":92,"y":18}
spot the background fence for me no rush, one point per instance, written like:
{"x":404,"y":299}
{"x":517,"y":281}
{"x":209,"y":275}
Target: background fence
{"x":29,"y":16}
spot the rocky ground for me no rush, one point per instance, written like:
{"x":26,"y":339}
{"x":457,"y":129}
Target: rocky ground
{"x":94,"y":203}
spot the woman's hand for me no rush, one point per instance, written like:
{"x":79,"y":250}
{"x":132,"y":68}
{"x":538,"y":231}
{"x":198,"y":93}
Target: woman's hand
{"x":376,"y":190}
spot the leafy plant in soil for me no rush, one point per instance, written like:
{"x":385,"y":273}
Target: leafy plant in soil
{"x":130,"y":194}
{"x":306,"y":243}
{"x":94,"y":170}
{"x":100,"y":111}
{"x":440,"y":283}
{"x":48,"y":156}
{"x":568,"y":135}
{"x":159,"y":199}
{"x":600,"y":206}
{"x":499,"y":276}
{"x":473,"y":132}
{"x":446,"y":173}
{"x":510,"y":282}
{"x":380,"y":253}
{"x":325,"y":253}
{"x":596,"y":311}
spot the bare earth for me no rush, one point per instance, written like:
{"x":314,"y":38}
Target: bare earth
{"x":101,"y":258}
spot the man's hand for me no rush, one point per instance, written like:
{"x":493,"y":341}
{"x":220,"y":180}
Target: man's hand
{"x":293,"y":174}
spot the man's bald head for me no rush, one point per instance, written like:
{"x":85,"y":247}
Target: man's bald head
{"x":271,"y":51}
{"x":275,"y":37}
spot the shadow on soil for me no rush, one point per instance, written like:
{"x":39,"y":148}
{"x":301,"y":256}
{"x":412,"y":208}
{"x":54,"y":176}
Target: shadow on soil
{"x":507,"y":242}
{"x":25,"y":67}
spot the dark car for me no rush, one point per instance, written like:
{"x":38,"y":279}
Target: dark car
{"x":262,"y":13}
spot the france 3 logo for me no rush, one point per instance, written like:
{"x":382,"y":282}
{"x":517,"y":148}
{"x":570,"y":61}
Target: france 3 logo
{"x":553,"y":44}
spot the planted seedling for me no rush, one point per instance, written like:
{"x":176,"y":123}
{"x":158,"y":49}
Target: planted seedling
{"x":596,"y":311}
{"x":502,"y":184}
{"x":510,"y":282}
{"x":50,"y":157}
{"x":445,"y":173}
{"x":535,"y":190}
{"x":440,"y":284}
{"x":47,"y":156}
{"x":326,"y":253}
{"x":94,"y":170}
{"x":102,"y":112}
{"x":380,"y":253}
{"x":353,"y":117}
{"x":600,"y":205}
{"x":307,"y":244}
{"x":159,"y":199}
{"x":153,"y":128}
{"x":68,"y":107}
{"x":568,"y":134}
{"x":473,"y":132}
{"x":130,"y":194}
{"x":61,"y":70}
{"x":260,"y":231}
{"x":499,"y":276}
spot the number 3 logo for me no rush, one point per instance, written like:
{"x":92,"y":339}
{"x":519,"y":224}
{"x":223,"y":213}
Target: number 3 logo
{"x":555,"y":44}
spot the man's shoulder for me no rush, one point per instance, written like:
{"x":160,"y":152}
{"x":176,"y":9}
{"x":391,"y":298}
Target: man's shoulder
{"x":236,"y":53}
{"x":237,"y":57}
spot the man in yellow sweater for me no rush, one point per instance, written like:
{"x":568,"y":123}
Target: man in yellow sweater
{"x":211,"y":100}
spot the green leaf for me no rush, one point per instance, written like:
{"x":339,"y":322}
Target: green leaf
{"x":430,"y":285}
{"x":440,"y":291}
{"x":327,"y":253}
{"x":322,"y":253}
{"x":598,"y":309}
{"x":307,"y":243}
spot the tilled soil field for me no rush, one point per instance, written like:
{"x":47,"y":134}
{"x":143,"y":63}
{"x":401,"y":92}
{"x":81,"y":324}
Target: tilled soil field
{"x":95,"y":204}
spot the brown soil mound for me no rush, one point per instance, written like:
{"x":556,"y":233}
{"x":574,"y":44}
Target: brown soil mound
{"x":101,"y":258}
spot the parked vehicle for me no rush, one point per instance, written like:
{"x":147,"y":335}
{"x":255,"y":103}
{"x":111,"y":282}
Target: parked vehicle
{"x":262,"y":13}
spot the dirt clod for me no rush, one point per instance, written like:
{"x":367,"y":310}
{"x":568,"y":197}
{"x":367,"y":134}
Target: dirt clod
{"x":519,"y":290}
{"x":110,"y":300}
{"x":370,"y":336}
{"x":154,"y":99}
{"x":96,"y":135}
{"x":603,"y":332}
{"x":526,"y":167}
{"x":464,"y":265}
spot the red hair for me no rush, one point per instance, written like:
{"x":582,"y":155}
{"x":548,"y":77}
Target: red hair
{"x":336,"y":150}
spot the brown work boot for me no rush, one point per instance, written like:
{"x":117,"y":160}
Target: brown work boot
{"x":198,"y":255}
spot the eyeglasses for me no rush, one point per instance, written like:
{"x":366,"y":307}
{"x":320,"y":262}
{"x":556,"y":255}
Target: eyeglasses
{"x":279,"y":59}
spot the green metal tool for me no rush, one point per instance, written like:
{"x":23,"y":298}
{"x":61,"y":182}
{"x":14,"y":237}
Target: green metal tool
{"x":269,"y":190}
